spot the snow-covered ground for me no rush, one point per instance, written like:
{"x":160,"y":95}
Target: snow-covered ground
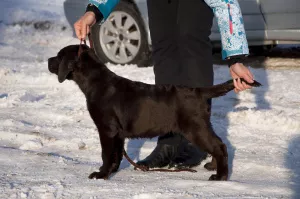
{"x":49,"y":144}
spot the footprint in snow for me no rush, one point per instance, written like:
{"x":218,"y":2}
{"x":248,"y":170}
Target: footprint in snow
{"x":28,"y":97}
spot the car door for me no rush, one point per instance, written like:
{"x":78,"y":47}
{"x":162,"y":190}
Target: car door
{"x":74,"y":9}
{"x":253,"y":20}
{"x":282,"y":19}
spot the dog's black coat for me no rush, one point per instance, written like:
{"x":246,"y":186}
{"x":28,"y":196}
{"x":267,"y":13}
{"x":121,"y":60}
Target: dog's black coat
{"x":121,"y":108}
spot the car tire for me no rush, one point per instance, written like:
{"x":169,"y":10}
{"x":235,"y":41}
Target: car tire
{"x":260,"y":50}
{"x":122,"y":38}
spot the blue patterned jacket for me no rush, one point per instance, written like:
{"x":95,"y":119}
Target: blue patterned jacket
{"x":229,"y":18}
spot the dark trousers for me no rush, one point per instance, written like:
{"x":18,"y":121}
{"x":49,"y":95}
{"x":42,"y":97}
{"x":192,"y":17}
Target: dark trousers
{"x":182,"y":51}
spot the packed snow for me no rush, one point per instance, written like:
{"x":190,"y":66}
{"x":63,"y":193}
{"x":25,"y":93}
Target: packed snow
{"x":49,"y":144}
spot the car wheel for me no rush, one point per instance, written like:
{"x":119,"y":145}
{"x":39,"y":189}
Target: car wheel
{"x":122,"y":38}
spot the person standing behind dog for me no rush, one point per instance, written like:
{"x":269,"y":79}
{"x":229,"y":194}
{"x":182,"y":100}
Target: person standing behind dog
{"x":182,"y":55}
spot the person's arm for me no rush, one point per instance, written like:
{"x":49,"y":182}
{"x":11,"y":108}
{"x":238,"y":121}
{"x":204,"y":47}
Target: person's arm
{"x":104,"y":6}
{"x":233,"y":38}
{"x":231,"y":27}
{"x":96,"y":11}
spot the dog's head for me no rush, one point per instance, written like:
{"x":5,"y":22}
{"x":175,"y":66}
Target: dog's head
{"x":66,"y":62}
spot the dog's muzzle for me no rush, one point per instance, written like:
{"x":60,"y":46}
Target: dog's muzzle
{"x":53,"y":65}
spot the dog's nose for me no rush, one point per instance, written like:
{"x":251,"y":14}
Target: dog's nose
{"x":52,"y":65}
{"x":50,"y":68}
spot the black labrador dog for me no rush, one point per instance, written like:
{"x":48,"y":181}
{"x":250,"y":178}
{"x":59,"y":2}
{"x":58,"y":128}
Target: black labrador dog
{"x":121,"y":108}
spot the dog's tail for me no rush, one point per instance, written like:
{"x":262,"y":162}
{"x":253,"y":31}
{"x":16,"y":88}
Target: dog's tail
{"x":222,"y":89}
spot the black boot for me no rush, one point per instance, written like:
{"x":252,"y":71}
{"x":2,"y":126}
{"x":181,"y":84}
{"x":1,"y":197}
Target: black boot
{"x":188,"y":155}
{"x":164,"y":152}
{"x":174,"y":150}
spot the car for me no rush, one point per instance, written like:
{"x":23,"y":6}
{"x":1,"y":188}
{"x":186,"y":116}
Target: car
{"x":124,"y":38}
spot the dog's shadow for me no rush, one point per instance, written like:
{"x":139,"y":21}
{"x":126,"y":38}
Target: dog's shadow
{"x":231,"y":103}
{"x":292,"y":162}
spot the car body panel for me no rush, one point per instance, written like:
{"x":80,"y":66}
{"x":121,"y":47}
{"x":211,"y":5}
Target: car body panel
{"x":282,"y":19}
{"x":281,"y":14}
{"x":143,"y":9}
{"x":74,"y":9}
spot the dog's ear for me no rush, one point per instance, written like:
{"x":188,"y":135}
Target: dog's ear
{"x":87,"y":57}
{"x":83,"y":59}
{"x":65,"y":68}
{"x":84,"y":56}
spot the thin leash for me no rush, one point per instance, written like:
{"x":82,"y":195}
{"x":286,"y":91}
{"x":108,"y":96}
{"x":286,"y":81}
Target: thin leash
{"x":80,"y":50}
{"x":136,"y":166}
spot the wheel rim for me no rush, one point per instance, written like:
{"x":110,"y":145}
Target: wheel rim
{"x":120,"y":37}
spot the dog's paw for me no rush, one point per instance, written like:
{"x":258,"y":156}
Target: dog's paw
{"x":215,"y":177}
{"x":210,"y":166}
{"x":98,"y":175}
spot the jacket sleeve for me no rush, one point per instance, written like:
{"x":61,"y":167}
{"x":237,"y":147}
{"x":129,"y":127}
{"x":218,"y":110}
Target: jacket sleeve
{"x":105,"y":6}
{"x":231,"y":27}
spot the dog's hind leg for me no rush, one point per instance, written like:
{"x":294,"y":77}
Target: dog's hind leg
{"x":112,"y":151}
{"x":211,"y":166}
{"x":206,"y":139}
{"x":221,"y":157}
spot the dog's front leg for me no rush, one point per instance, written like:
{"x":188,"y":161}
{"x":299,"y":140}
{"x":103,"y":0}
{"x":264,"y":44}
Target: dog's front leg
{"x":112,"y":149}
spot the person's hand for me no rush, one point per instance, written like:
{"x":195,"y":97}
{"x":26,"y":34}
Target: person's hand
{"x":238,"y":71}
{"x":82,"y":26}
